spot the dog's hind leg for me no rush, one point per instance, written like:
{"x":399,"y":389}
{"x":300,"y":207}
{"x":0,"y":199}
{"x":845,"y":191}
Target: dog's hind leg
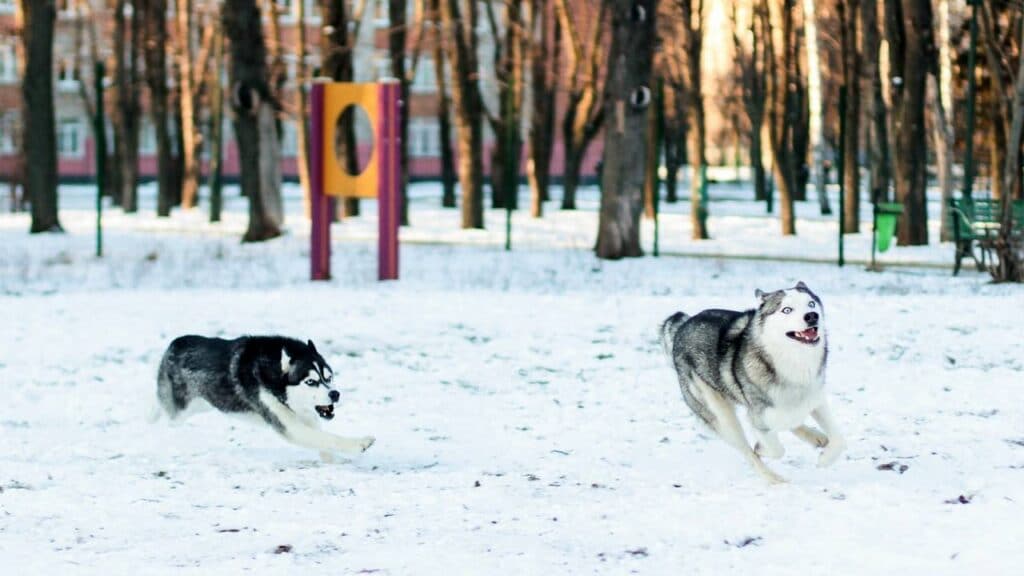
{"x":728,"y":427}
{"x":285,"y":421}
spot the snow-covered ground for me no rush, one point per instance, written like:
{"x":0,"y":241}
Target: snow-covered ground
{"x":526,"y":420}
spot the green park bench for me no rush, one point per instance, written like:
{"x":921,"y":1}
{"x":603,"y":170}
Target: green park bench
{"x":976,"y":222}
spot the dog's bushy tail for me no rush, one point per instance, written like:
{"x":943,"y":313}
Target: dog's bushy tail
{"x":669,"y":328}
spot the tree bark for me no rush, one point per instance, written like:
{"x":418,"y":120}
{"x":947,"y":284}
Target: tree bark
{"x":584,"y":112}
{"x":302,"y":106}
{"x":338,"y":44}
{"x":781,"y":102}
{"x":217,"y":125}
{"x":127,"y":108}
{"x":251,"y":101}
{"x":190,"y":136}
{"x":851,"y":142}
{"x":874,"y":105}
{"x":816,"y":128}
{"x":443,"y":110}
{"x":631,"y":59}
{"x":461,"y":43}
{"x":155,"y":24}
{"x":692,"y":12}
{"x":40,"y":133}
{"x":910,"y":128}
{"x":543,"y":52}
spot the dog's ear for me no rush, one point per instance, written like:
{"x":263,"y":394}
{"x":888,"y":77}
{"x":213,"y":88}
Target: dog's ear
{"x":760,"y":294}
{"x":286,"y":361}
{"x":801,"y":286}
{"x":312,"y":348}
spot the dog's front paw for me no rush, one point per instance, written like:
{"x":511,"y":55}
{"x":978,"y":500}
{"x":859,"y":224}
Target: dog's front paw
{"x":831,"y":453}
{"x":365,"y":443}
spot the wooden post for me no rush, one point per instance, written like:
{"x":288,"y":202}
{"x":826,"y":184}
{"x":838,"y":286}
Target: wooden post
{"x":389,"y":180}
{"x":320,"y":206}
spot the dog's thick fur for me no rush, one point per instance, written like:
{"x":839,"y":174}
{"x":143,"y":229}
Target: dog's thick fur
{"x":282,"y":381}
{"x":770,"y":360}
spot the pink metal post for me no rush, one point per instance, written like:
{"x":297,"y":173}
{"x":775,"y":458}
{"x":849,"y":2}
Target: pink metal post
{"x":319,"y":204}
{"x":388,"y":200}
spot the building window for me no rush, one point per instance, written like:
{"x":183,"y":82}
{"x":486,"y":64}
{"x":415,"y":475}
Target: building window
{"x":425,"y":81}
{"x":9,"y":132}
{"x":424,"y":138}
{"x":8,"y":62}
{"x":381,"y":19}
{"x":70,"y":138}
{"x":7,"y":6}
{"x":67,"y":76}
{"x":382,"y":65}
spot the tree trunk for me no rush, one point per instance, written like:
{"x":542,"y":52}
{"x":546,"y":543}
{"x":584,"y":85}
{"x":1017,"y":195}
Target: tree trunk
{"x":874,"y":106}
{"x":584,"y":113}
{"x":443,"y":110}
{"x":543,"y":52}
{"x":396,"y":47}
{"x":1009,"y":246}
{"x":127,"y":109}
{"x":40,"y":132}
{"x":651,"y":184}
{"x":693,"y":14}
{"x":189,"y":111}
{"x":254,"y":117}
{"x":910,"y":128}
{"x":816,"y":128}
{"x":630,"y":61}
{"x":302,"y":106}
{"x":217,"y":126}
{"x":942,"y":134}
{"x":155,"y":24}
{"x":461,"y":43}
{"x":780,"y":110}
{"x":851,"y":165}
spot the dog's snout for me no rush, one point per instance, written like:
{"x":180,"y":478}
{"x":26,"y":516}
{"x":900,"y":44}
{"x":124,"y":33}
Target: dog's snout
{"x":334,"y":395}
{"x":811,"y":317}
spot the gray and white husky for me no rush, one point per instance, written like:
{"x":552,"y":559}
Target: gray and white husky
{"x":770,"y":360}
{"x":281,"y":381}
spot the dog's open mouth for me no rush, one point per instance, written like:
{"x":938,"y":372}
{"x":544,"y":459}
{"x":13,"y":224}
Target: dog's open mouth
{"x":808,"y":336}
{"x":326,"y":411}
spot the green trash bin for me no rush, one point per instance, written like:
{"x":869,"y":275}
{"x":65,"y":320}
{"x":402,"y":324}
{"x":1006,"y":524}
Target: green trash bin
{"x":886,"y":216}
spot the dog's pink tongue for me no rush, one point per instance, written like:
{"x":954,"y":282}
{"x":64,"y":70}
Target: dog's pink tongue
{"x":810,"y":333}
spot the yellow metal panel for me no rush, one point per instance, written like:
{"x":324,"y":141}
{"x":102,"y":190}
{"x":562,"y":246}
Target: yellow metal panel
{"x":337,"y":181}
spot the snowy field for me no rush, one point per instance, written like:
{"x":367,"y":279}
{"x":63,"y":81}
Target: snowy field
{"x":526,"y":419}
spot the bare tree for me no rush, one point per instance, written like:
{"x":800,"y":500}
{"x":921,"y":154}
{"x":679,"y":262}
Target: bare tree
{"x":255,"y":131}
{"x":154,"y":15}
{"x":127,"y":107}
{"x":630,"y":61}
{"x":505,"y":123}
{"x":444,"y":105}
{"x":875,"y":112}
{"x":909,"y":26}
{"x":692,"y":13}
{"x":584,"y":110}
{"x":816,"y":126}
{"x":192,"y":78}
{"x":301,"y":118}
{"x":40,"y":134}
{"x":461,"y":43}
{"x":543,"y":42}
{"x":1009,"y":245}
{"x":752,"y":71}
{"x":783,"y":97}
{"x":848,"y":12}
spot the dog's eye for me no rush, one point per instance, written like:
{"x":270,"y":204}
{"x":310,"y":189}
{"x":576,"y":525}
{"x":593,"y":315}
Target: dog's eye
{"x":787,"y":310}
{"x":311,"y":382}
{"x":811,"y":304}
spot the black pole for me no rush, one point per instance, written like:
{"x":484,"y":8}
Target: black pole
{"x":101,"y":154}
{"x":842,"y":168}
{"x":971,"y":89}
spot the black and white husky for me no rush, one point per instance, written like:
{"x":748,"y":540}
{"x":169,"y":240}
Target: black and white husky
{"x":282,"y":381}
{"x":770,"y":360}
